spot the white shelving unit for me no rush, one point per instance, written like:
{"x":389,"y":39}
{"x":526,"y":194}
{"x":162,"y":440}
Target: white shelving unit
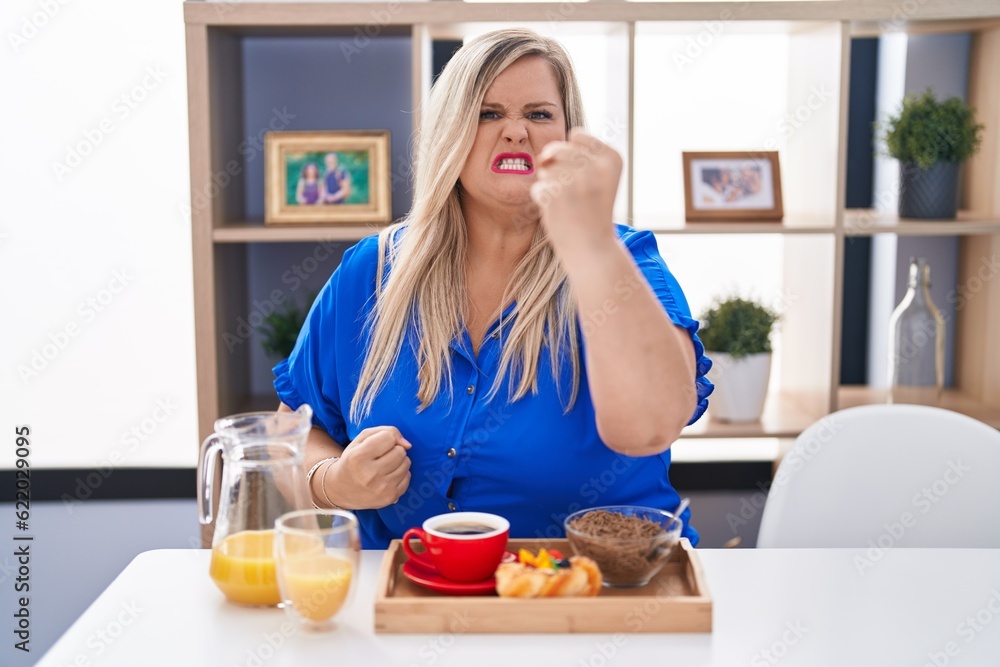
{"x":813,"y":161}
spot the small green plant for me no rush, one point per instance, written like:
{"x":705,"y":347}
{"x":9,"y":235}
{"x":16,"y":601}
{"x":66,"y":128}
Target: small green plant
{"x":281,"y":328}
{"x":927,"y":130}
{"x":738,"y":327}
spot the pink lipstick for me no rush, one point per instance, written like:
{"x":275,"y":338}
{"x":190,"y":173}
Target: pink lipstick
{"x":513,"y":163}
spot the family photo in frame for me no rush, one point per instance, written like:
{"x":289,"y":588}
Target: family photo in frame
{"x":327,"y":177}
{"x":732,"y":185}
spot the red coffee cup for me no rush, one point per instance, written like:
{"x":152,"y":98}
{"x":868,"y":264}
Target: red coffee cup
{"x":464,"y":547}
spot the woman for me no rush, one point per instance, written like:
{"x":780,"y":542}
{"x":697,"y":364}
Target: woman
{"x":505,"y":348}
{"x":309,"y":189}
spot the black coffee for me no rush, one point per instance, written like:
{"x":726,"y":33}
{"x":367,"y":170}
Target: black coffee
{"x":465,"y":528}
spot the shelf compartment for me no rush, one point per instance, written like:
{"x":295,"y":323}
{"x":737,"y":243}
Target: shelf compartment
{"x":851,"y":396}
{"x":276,"y":80}
{"x":794,"y":274}
{"x":797,"y":81}
{"x":277,"y":275}
{"x":867,"y":222}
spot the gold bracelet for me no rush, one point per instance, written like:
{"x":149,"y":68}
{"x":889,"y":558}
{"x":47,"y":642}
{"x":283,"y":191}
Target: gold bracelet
{"x":322,"y":484}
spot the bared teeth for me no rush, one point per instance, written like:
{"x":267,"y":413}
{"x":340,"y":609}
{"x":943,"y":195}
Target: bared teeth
{"x":513,"y":164}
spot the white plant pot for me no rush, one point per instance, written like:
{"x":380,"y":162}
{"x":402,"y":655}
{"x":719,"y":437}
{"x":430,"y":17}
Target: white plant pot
{"x":740,"y":386}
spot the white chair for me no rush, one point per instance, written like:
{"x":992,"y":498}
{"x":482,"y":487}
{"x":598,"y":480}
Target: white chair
{"x":887,"y":476}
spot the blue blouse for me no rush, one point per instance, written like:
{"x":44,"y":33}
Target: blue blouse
{"x":526,"y":460}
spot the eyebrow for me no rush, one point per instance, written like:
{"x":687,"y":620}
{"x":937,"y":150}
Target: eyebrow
{"x":529,"y":105}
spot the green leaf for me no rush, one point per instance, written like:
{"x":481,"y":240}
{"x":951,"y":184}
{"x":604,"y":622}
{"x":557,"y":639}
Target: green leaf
{"x":927,"y":130}
{"x":281,"y":328}
{"x":738,"y":327}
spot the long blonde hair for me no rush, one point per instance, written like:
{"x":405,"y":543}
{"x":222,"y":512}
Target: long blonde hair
{"x":421,"y":271}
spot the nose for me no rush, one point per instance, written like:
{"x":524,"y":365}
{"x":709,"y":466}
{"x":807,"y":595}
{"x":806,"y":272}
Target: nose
{"x":515,"y":131}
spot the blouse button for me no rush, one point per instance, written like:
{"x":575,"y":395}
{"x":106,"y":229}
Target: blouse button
{"x":451,"y":506}
{"x":471,"y":388}
{"x":452,"y":453}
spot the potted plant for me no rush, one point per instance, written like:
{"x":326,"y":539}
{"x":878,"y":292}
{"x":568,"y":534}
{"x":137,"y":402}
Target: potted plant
{"x":930,"y":138}
{"x":736,"y":333}
{"x":281,"y":328}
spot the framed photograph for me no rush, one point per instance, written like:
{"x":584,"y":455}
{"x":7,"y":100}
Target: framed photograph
{"x":732,"y":186}
{"x":327,"y":177}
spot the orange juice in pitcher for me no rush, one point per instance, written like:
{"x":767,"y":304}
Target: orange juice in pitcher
{"x":243,"y":568}
{"x":262,"y":479}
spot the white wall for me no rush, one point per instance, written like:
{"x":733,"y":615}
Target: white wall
{"x":95,"y":257}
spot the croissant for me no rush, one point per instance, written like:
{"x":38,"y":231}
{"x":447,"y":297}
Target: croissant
{"x":517,"y":580}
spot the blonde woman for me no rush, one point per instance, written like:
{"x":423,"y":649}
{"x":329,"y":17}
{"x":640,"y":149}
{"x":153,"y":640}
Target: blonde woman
{"x":505,"y":347}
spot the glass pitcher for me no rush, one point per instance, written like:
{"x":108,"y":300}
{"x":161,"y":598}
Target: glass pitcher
{"x":262,"y":478}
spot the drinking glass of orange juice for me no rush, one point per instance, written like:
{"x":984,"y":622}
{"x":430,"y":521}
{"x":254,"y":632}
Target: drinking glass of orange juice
{"x":316,"y":555}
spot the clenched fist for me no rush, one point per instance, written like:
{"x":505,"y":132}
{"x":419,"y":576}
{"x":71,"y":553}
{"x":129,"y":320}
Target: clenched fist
{"x":575,"y":187}
{"x":373,"y":471}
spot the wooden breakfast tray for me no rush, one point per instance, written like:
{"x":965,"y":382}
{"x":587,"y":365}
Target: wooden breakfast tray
{"x":676,"y":600}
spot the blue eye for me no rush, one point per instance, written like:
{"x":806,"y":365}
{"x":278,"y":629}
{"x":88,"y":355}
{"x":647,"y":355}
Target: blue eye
{"x":484,"y":115}
{"x":539,"y":115}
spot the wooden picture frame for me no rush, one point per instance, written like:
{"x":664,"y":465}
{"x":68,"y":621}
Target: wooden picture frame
{"x":732,"y":185}
{"x":322,"y":177}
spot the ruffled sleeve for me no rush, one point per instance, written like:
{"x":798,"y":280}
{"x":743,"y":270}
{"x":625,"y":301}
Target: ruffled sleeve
{"x":309,"y":374}
{"x":642,"y":245}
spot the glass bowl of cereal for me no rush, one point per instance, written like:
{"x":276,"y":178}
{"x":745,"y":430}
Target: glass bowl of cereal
{"x":630,"y":544}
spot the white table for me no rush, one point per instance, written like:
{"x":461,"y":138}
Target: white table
{"x":789,"y":607}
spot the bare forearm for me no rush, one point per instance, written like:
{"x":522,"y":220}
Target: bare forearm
{"x":319,"y":446}
{"x":640,"y":366}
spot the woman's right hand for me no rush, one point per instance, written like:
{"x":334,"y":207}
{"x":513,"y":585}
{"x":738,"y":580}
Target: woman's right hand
{"x":373,"y":471}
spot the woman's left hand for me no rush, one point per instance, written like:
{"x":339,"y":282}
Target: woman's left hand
{"x":575,"y":187}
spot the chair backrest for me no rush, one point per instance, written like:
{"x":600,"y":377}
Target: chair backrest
{"x":887,"y":476}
